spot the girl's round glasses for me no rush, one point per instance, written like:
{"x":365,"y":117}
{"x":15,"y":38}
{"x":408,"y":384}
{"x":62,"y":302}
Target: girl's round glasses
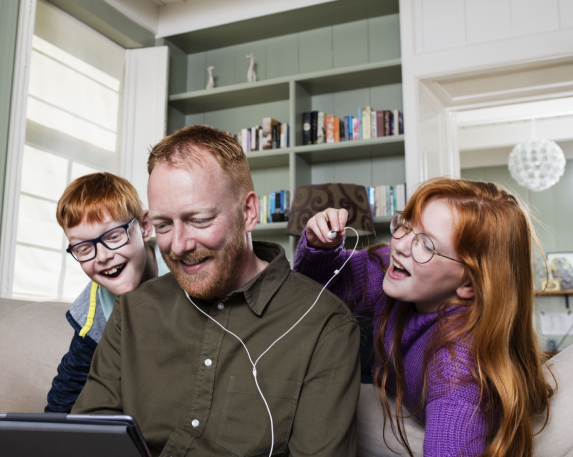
{"x":423,"y":249}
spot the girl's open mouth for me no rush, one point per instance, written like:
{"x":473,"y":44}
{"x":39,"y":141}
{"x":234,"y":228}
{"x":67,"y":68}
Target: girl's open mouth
{"x":397,"y":271}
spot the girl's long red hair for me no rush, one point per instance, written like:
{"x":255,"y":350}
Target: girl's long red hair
{"x":493,"y":235}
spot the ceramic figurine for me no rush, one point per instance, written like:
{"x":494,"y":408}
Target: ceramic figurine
{"x":211,"y":83}
{"x":251,"y":74}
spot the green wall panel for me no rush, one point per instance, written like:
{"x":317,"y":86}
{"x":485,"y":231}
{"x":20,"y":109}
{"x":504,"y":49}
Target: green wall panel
{"x":282,"y":56}
{"x":197,"y":72}
{"x":8,"y":31}
{"x":386,"y":97}
{"x":315,"y":50}
{"x":350,"y":44}
{"x":177,"y":67}
{"x":384,"y":38}
{"x":234,"y":119}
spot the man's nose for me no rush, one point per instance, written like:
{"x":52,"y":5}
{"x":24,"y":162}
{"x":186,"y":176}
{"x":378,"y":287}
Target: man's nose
{"x":183,"y":240}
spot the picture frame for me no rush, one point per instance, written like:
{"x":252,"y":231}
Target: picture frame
{"x":560,"y":266}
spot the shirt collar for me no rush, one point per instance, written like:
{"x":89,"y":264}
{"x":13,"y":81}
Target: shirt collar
{"x":259,"y":290}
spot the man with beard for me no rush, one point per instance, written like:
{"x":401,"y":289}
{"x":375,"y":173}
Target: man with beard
{"x":169,"y":358}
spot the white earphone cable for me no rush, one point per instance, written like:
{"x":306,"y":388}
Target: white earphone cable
{"x":280,"y":337}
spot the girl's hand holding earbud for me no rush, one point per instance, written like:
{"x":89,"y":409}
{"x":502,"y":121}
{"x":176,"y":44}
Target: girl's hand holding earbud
{"x":323,"y":224}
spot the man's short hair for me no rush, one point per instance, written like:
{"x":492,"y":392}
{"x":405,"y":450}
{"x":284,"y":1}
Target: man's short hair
{"x":93,"y":196}
{"x":188,"y":146}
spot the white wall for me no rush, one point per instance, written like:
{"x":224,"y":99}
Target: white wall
{"x":453,"y":37}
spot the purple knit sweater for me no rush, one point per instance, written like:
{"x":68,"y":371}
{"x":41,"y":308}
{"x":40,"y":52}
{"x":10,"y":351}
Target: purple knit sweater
{"x":455,"y":425}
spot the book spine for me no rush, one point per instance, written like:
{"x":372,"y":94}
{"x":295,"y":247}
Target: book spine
{"x":265,"y":209}
{"x":278,"y":202}
{"x":379,"y":124}
{"x":346,"y":128}
{"x":366,"y":123}
{"x":268,"y":123}
{"x":382,"y":191}
{"x":400,"y":123}
{"x":271,"y":208}
{"x":401,"y":197}
{"x":336,"y":130}
{"x":244,"y":140}
{"x":387,"y":123}
{"x":373,"y":128}
{"x":313,"y":126}
{"x":260,"y":143}
{"x":329,"y":121}
{"x":372,"y":200}
{"x":359,"y":117}
{"x":287,"y":204}
{"x":254,"y":137}
{"x":276,"y":137}
{"x":306,"y":128}
{"x":260,"y":210}
{"x":288,"y":134}
{"x":394,"y":199}
{"x":356,"y":129}
{"x":320,"y":129}
{"x":283,"y":136}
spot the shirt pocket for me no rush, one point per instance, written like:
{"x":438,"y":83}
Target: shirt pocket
{"x":246,"y":427}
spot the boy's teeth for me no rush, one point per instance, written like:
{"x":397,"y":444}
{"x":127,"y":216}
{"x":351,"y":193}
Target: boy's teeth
{"x":110,"y":272}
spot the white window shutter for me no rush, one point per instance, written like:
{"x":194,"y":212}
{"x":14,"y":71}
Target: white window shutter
{"x":145,"y":112}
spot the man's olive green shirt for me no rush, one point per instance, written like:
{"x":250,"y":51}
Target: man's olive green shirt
{"x":190,"y":385}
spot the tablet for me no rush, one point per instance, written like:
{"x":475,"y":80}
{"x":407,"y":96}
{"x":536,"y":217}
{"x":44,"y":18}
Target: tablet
{"x":70,"y":435}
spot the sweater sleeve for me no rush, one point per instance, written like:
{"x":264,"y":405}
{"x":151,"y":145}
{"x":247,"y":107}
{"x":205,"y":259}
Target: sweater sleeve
{"x":71,"y":378}
{"x":359,"y":283}
{"x":455,"y":422}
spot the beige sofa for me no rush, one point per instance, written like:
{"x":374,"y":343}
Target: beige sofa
{"x":34,"y":337}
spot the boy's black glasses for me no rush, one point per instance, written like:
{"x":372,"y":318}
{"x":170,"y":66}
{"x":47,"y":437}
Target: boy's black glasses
{"x":422,"y":249}
{"x":112,"y":239}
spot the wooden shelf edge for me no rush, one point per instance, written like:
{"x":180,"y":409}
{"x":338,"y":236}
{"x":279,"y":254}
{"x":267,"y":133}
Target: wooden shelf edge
{"x":284,"y":80}
{"x":539,"y":293}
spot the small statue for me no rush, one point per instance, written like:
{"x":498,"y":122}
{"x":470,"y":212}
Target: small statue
{"x":211,"y":83}
{"x":251,"y":74}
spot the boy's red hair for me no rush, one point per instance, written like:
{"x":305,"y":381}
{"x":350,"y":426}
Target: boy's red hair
{"x":94,"y":196}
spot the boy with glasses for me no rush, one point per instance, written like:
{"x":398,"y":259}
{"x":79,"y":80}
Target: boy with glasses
{"x":109,"y":234}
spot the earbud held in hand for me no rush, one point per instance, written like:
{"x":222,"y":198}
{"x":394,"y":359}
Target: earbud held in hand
{"x":331,"y":234}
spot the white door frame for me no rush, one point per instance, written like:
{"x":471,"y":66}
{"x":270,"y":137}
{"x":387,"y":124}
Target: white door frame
{"x":16,"y":139}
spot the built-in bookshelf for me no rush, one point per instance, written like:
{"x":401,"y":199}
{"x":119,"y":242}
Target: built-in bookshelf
{"x":335,"y":69}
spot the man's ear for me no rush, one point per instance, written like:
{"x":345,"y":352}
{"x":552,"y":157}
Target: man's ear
{"x":466,"y":291}
{"x":146,"y":226}
{"x":251,"y":211}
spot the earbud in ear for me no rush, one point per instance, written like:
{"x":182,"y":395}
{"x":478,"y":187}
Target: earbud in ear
{"x":331,"y":234}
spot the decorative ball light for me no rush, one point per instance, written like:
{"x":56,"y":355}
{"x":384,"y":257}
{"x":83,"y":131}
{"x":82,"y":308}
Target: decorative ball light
{"x":537,"y":164}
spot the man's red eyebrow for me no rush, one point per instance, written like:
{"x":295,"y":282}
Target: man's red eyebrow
{"x":207,"y":209}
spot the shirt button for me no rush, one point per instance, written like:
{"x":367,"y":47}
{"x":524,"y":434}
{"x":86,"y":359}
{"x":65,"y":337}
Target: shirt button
{"x":220,"y":306}
{"x":208,"y":362}
{"x":195,"y":423}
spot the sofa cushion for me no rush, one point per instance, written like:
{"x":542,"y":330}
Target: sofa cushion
{"x":34,"y":336}
{"x":556,"y":440}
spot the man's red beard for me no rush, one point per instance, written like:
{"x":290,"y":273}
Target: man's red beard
{"x":226,"y":262}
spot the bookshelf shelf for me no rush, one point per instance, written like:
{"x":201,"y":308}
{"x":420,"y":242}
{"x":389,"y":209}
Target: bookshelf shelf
{"x":350,"y":78}
{"x":277,"y":228}
{"x":329,"y":152}
{"x":269,"y":159}
{"x":231,"y":96}
{"x":272,"y":90}
{"x":352,"y":150}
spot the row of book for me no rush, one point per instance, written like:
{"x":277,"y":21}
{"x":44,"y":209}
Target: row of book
{"x":318,"y":128}
{"x":274,"y":207}
{"x":272,"y":135}
{"x":385,"y":200}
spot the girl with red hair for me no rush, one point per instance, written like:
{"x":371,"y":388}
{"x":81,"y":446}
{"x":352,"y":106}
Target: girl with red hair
{"x":452,"y":301}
